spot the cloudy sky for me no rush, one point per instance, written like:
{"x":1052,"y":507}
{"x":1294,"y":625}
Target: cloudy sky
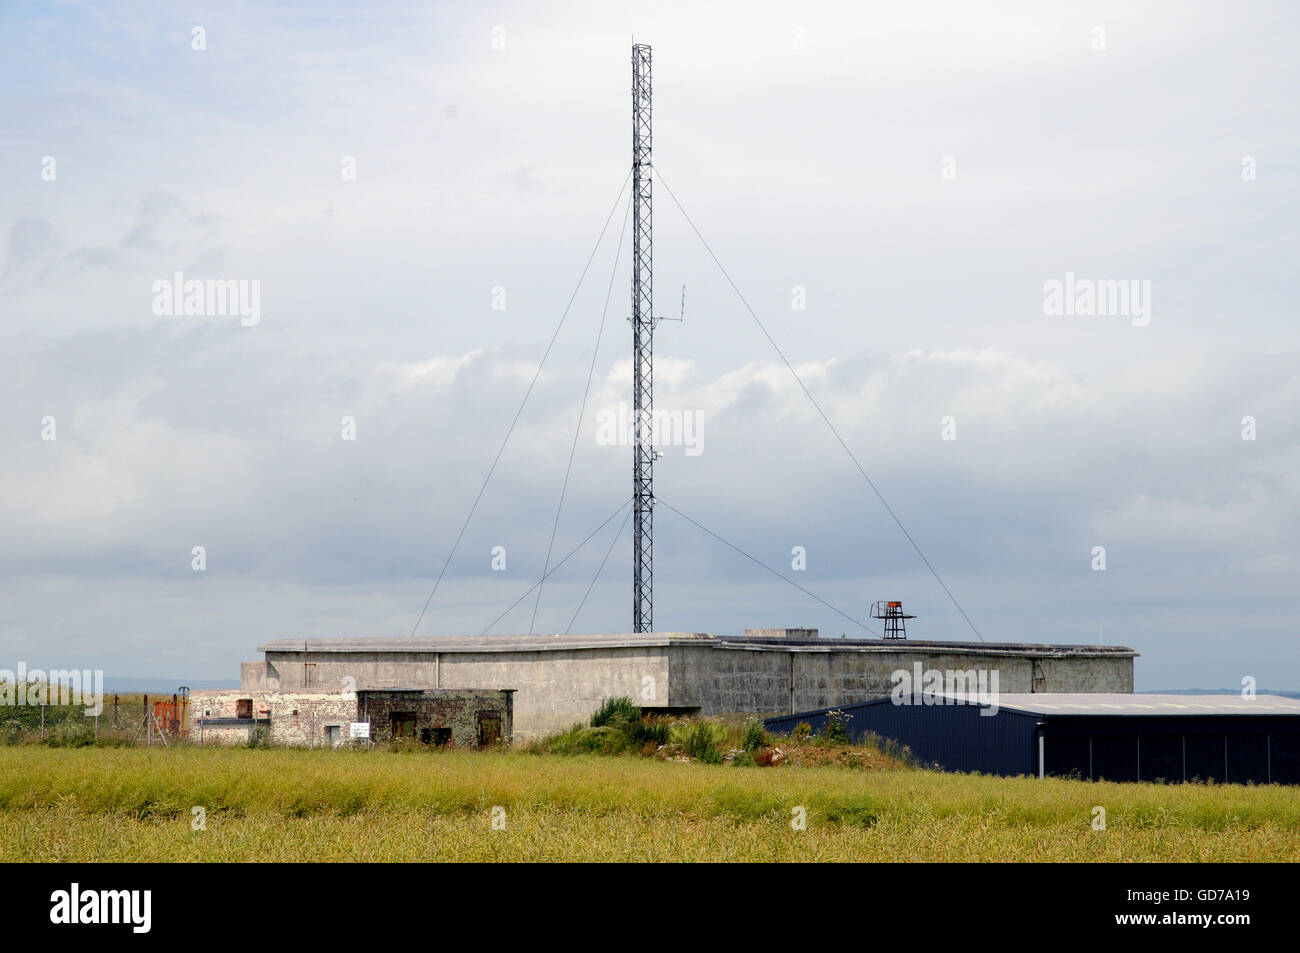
{"x":416,"y":189}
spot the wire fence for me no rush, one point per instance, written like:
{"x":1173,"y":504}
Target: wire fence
{"x":126,"y":718}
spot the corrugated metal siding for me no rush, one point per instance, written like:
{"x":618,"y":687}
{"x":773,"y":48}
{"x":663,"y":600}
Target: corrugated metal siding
{"x":1230,"y":747}
{"x":1235,"y":748}
{"x":956,"y":737}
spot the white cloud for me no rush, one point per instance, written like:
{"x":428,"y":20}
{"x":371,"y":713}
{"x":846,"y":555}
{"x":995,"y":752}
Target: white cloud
{"x":816,"y":168}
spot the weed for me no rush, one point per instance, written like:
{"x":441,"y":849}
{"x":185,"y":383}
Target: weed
{"x":702,"y":740}
{"x":836,"y":729}
{"x":616,"y":712}
{"x":752,"y":736}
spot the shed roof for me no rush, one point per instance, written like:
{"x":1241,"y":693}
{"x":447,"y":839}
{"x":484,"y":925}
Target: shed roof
{"x":1123,"y":704}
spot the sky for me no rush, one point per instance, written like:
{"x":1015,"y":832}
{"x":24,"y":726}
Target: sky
{"x":415,"y":191}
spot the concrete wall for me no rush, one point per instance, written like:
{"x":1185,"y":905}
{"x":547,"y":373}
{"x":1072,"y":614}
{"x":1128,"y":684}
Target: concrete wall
{"x":728,"y":680}
{"x":561,"y":686}
{"x":555,"y":688}
{"x":1098,"y":675}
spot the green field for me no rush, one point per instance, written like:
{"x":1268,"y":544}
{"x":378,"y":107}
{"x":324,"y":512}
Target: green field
{"x":133,"y":804}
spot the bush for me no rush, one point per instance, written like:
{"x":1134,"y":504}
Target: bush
{"x":702,"y":740}
{"x":583,"y":739}
{"x":616,"y":711}
{"x":604,"y":739}
{"x":624,"y":715}
{"x":836,"y":729}
{"x":801,"y":731}
{"x":649,"y":731}
{"x":752,"y":736}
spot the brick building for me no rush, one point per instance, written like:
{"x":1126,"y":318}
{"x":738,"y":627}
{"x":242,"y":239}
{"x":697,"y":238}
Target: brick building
{"x":461,"y":717}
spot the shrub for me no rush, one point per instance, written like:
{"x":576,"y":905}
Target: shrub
{"x":801,"y":731}
{"x":583,"y":739}
{"x":752,"y":736}
{"x":836,"y":729}
{"x":649,"y":731}
{"x":702,"y":740}
{"x":604,"y":739}
{"x":616,"y":712}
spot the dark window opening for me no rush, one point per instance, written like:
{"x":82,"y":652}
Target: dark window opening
{"x":244,"y":708}
{"x":442,"y":737}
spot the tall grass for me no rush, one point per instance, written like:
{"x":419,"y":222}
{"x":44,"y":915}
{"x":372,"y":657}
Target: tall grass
{"x":88,"y":804}
{"x":703,"y":740}
{"x":615,"y":712}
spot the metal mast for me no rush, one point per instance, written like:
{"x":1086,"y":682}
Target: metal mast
{"x":643,"y":331}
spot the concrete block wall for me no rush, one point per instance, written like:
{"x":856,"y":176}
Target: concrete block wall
{"x":731,"y":680}
{"x":1084,"y":675}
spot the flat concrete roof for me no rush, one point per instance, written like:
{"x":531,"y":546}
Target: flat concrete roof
{"x":477,"y":643}
{"x":1045,"y":649}
{"x":539,"y":643}
{"x":1105,"y":703}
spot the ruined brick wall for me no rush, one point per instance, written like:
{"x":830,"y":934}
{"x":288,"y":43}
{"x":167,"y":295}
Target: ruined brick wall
{"x":463,"y":714}
{"x":297,"y":718}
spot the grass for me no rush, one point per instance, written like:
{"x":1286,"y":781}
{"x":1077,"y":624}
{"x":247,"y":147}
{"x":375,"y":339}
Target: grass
{"x":276,"y":804}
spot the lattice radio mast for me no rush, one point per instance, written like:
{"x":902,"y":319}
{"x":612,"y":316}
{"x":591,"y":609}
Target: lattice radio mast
{"x":643,"y":335}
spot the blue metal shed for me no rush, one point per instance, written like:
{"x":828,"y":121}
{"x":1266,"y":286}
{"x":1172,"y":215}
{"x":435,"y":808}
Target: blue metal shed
{"x":1117,"y":737}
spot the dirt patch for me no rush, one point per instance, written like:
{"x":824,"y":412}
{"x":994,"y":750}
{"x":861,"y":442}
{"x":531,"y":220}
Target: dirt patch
{"x":845,"y":756}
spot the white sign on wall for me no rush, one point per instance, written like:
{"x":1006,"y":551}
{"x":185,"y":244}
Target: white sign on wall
{"x":359,"y":729}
